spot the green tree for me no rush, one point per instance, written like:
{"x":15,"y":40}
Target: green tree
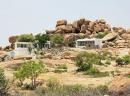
{"x":57,"y":39}
{"x":20,"y":74}
{"x":26,"y":38}
{"x":41,"y":39}
{"x":30,"y":69}
{"x":4,"y":84}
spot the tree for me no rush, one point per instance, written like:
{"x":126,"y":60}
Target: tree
{"x":57,"y":39}
{"x":4,"y":87}
{"x":20,"y":74}
{"x":85,"y":60}
{"x":26,"y":38}
{"x":30,"y":69}
{"x":41,"y":39}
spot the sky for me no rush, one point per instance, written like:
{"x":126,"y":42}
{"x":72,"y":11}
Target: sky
{"x":35,"y":16}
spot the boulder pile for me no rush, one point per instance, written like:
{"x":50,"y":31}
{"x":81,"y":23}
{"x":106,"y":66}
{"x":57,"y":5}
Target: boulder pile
{"x":84,"y":28}
{"x":81,"y":26}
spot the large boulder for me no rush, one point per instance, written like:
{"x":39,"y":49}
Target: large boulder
{"x":61,"y":22}
{"x":120,"y":86}
{"x":128,"y":31}
{"x":119,"y":30}
{"x":110,"y":36}
{"x":64,"y":29}
{"x":83,"y":29}
{"x":126,"y":36}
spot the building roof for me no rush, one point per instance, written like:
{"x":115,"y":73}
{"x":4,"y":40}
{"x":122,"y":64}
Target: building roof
{"x":87,"y":39}
{"x":24,"y":42}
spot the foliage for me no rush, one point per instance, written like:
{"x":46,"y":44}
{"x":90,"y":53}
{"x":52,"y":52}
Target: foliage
{"x":126,"y":59}
{"x":52,"y":83}
{"x":26,"y":38}
{"x":103,"y":55}
{"x":57,"y":39}
{"x":71,"y":43}
{"x":73,"y":90}
{"x":96,"y":73}
{"x":108,"y":62}
{"x":4,"y":84}
{"x":101,"y":34}
{"x":85,"y":60}
{"x":31,"y":70}
{"x":61,"y":68}
{"x":41,"y":39}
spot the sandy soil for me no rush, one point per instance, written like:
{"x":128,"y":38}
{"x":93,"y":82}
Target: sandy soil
{"x":69,"y":77}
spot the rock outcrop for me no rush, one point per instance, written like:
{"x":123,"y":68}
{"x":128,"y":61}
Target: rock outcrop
{"x":92,"y":29}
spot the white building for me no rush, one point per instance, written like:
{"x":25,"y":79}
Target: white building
{"x":89,"y":43}
{"x":22,"y":49}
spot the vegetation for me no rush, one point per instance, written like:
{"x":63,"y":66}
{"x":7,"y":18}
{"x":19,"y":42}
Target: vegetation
{"x":71,"y":43}
{"x":4,"y":84}
{"x":26,"y":38}
{"x":71,"y":90}
{"x":57,"y":39}
{"x":103,"y":55}
{"x":123,"y":60}
{"x":41,"y":39}
{"x":126,"y":59}
{"x":108,"y":62}
{"x":61,"y":68}
{"x":85,"y":60}
{"x":100,"y":35}
{"x":31,"y":70}
{"x":96,"y":73}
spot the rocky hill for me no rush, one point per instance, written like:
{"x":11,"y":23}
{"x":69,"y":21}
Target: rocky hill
{"x":83,"y":28}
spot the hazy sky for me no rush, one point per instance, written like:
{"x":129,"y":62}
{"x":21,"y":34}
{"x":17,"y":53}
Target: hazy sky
{"x":26,"y":16}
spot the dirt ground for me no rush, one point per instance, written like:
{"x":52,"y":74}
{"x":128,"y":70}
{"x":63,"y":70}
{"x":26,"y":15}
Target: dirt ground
{"x":70,"y":77}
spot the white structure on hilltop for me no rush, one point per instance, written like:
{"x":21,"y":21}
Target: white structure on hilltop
{"x":89,"y":43}
{"x":22,"y":49}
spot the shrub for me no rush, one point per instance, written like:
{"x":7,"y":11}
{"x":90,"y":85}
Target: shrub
{"x":71,"y":43}
{"x":108,"y":62}
{"x":96,"y":73}
{"x":61,"y":68}
{"x":85,"y":60}
{"x":52,"y":83}
{"x":101,"y":34}
{"x":126,"y":59}
{"x":73,"y":90}
{"x":4,"y":84}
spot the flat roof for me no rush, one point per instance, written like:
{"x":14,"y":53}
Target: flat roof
{"x":87,"y":39}
{"x":23,"y":42}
